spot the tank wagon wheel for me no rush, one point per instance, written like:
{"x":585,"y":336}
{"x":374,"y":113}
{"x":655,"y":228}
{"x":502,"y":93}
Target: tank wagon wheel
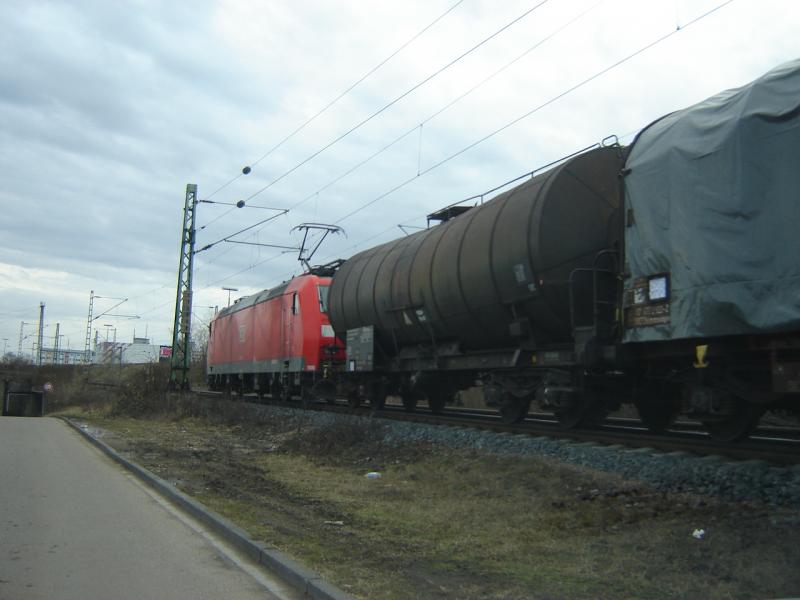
{"x":437,"y":400}
{"x":657,"y":405}
{"x":738,"y":425}
{"x":571,"y":416}
{"x":436,"y":397}
{"x":409,"y":400}
{"x":377,"y":402}
{"x":285,"y":394}
{"x":656,"y":415}
{"x":512,"y":409}
{"x":377,"y":392}
{"x":585,"y":411}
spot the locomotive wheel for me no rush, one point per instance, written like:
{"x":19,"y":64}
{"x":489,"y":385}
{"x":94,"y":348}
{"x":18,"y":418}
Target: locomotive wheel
{"x":738,"y":425}
{"x":285,"y":394}
{"x":324,"y":390}
{"x":512,"y":409}
{"x":263,"y":388}
{"x":307,"y":397}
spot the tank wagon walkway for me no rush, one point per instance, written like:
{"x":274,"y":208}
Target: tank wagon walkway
{"x":74,"y":525}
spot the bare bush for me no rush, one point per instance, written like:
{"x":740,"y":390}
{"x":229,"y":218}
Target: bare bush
{"x":142,"y":391}
{"x":344,"y":441}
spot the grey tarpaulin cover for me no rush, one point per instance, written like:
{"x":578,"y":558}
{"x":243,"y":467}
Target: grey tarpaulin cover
{"x":713,"y":200}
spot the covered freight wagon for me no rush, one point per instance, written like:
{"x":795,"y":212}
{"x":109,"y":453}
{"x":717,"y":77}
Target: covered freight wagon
{"x":713,"y":207}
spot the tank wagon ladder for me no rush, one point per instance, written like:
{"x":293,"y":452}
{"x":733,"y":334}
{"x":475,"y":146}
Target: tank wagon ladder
{"x":580,"y":393}
{"x":597,"y":320}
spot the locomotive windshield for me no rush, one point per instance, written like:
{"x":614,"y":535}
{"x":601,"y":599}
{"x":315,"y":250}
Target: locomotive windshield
{"x":322,"y":292}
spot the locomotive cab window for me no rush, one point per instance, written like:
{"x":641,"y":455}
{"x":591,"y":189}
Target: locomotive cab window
{"x":322,"y":293}
{"x":295,"y":304}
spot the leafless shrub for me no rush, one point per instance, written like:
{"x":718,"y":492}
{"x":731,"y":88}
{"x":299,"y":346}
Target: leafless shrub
{"x":345,"y":440}
{"x":142,"y":391}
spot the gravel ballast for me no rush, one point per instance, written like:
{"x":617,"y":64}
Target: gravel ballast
{"x":715,"y":475}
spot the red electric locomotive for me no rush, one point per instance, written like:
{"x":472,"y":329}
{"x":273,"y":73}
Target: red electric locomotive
{"x":278,"y":341}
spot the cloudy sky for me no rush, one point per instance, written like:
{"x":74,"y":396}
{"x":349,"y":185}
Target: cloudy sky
{"x":108,"y":110}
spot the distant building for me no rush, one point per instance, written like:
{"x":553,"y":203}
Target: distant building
{"x":139,"y":352}
{"x":62,"y":356}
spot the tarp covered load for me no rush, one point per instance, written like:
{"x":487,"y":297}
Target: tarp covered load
{"x":712,"y":238}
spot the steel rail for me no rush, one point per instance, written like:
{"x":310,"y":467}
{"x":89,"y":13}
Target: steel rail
{"x":776,"y":445}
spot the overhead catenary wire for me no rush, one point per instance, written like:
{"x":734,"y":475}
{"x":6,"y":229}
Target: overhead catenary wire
{"x":534,"y":110}
{"x":218,"y":255}
{"x":234,"y":205}
{"x":324,"y":109}
{"x":308,"y":121}
{"x":348,"y":90}
{"x":446,"y":107}
{"x":227,"y":238}
{"x":397,"y":99}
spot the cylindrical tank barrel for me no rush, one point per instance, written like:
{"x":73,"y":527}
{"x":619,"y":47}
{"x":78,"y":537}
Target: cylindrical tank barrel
{"x":495,"y":274}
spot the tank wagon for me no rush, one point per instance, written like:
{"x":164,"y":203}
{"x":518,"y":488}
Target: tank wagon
{"x":664,"y":274}
{"x":278,"y":341}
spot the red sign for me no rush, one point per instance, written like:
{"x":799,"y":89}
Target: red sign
{"x":165,"y":351}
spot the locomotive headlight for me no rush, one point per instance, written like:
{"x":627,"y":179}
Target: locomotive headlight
{"x":327,"y":331}
{"x":658,"y":288}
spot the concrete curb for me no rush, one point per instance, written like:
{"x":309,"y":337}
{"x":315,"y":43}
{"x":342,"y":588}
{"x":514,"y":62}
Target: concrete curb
{"x":310,"y":583}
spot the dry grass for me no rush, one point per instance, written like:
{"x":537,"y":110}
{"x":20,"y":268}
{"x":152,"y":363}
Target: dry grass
{"x":447,"y":524}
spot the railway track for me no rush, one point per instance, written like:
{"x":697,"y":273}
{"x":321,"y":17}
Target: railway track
{"x":771,"y":444}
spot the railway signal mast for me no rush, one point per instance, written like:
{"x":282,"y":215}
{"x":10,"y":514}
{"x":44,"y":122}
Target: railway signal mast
{"x":87,"y":353}
{"x":41,"y":335}
{"x":21,"y":338}
{"x":182,"y":326}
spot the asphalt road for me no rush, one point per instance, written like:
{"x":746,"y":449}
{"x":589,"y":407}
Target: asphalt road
{"x":74,"y":525}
